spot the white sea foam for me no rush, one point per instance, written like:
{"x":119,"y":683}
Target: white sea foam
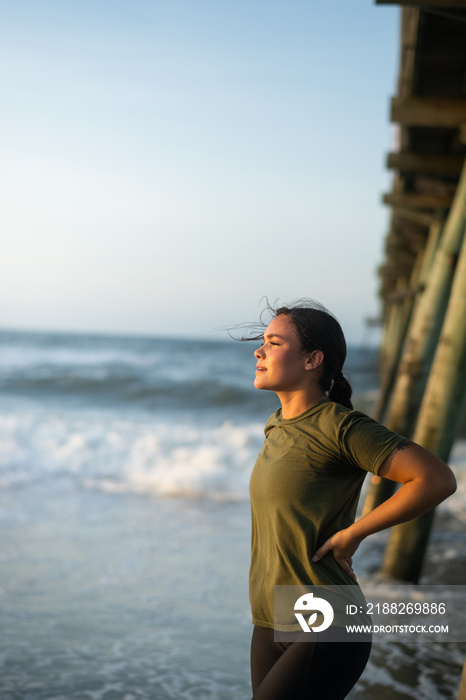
{"x":161,"y":459}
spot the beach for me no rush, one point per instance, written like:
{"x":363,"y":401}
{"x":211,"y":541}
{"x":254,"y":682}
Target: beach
{"x":124,"y":465}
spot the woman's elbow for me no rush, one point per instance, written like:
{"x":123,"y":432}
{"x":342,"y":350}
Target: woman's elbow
{"x":446,"y":485}
{"x":451,"y":483}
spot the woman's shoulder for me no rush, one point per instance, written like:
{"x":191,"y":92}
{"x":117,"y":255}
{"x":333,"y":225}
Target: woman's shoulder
{"x":340,"y":422}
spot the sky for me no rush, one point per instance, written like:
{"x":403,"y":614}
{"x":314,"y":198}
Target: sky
{"x":168,"y":163}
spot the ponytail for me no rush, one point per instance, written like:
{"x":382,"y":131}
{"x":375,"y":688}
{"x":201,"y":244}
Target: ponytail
{"x":341,"y":391}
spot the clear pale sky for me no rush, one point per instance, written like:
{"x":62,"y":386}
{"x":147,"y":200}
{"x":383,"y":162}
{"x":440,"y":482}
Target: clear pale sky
{"x":167,"y":163}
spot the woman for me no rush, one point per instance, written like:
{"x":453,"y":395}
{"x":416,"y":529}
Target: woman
{"x":304,"y":491}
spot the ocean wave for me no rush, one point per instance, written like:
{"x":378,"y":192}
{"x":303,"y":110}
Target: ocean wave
{"x":99,"y":388}
{"x":123,"y":456}
{"x":155,"y":458}
{"x":150,"y":372}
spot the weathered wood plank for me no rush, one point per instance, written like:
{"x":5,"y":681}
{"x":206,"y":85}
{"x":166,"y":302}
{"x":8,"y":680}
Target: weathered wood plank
{"x":409,"y":34}
{"x":417,"y":200}
{"x":428,"y":111}
{"x":415,"y":216}
{"x":425,"y":163}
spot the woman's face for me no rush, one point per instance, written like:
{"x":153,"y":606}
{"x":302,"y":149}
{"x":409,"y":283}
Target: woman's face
{"x":281,"y":363}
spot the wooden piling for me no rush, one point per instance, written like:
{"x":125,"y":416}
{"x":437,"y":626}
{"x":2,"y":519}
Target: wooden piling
{"x":397,"y":323}
{"x":437,"y":424}
{"x":427,"y":321}
{"x":412,"y":371}
{"x":381,"y":489}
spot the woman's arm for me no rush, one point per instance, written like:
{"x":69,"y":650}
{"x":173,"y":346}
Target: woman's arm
{"x":426,"y":481}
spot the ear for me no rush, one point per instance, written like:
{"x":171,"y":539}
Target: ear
{"x":314,"y":359}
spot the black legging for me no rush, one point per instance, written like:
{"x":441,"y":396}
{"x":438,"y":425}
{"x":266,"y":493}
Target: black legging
{"x":305,"y":670}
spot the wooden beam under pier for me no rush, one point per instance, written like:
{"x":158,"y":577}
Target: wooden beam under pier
{"x":426,"y":163}
{"x":417,"y":200}
{"x":428,"y":111}
{"x":415,"y":216}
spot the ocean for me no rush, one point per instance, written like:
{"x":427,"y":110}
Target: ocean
{"x":124,"y":515}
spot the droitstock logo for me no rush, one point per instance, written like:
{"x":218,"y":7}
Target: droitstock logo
{"x":308,"y":603}
{"x":383,"y":612}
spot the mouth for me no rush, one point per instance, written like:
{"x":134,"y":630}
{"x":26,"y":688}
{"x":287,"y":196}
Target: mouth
{"x":260,"y":369}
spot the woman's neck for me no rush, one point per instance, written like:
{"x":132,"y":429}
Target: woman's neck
{"x":297,"y":402}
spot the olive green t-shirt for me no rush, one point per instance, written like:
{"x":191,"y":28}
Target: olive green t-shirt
{"x":304,"y":487}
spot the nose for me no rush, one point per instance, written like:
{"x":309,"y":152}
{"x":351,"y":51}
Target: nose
{"x":259,"y":352}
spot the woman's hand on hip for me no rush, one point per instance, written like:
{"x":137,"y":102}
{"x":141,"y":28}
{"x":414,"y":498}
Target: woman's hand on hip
{"x":343,"y":545}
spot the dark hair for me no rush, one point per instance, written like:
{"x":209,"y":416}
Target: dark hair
{"x":317,"y":329}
